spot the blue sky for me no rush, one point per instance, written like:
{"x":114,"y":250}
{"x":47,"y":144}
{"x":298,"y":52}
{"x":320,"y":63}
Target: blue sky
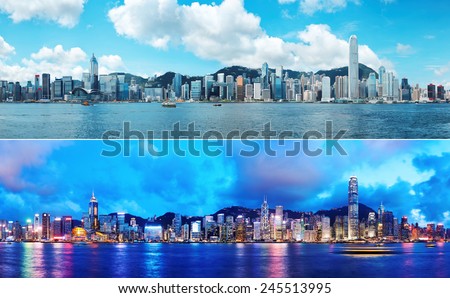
{"x":410,"y":178}
{"x":153,"y":36}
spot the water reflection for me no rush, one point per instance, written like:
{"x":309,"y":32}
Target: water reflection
{"x":219,"y":260}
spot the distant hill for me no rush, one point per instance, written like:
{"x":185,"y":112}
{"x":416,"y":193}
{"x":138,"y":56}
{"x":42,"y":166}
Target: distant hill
{"x":364,"y":72}
{"x":129,"y":77}
{"x":363,"y":212}
{"x":166,"y":219}
{"x":235,"y":71}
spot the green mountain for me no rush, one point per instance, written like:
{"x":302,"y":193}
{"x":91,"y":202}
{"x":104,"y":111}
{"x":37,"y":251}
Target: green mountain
{"x":364,"y":72}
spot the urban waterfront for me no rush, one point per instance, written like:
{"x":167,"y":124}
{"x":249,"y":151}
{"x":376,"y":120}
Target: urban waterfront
{"x":361,"y":121}
{"x":293,"y":260}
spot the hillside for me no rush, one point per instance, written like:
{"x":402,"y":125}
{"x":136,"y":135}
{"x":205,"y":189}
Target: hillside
{"x":364,"y":72}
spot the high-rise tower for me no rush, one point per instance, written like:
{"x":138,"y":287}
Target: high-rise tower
{"x":265,"y":228}
{"x":353,"y":69}
{"x":353,"y":223}
{"x":94,"y":73}
{"x":93,"y":213}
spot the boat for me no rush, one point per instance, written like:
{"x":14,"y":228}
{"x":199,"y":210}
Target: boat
{"x":367,"y":251}
{"x":430,"y":244}
{"x":217,"y":104}
{"x":169,"y":104}
{"x":379,"y":244}
{"x":85,"y":103}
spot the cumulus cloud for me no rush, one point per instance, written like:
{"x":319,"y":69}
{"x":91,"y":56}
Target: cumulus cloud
{"x":58,"y":62}
{"x":228,"y":33}
{"x":5,"y":48}
{"x":110,"y":63}
{"x":64,"y":12}
{"x":441,"y":70}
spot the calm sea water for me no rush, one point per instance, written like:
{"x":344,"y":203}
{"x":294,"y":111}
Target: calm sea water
{"x":218,"y":260}
{"x":67,"y":121}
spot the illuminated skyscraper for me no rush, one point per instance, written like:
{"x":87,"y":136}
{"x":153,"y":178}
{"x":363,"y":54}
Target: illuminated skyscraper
{"x":37,"y":227}
{"x":353,"y":69}
{"x":94,"y":73}
{"x":93,"y":213}
{"x":265,"y":228}
{"x":372,"y":225}
{"x":278,"y":223}
{"x":353,"y":225}
{"x":45,"y":226}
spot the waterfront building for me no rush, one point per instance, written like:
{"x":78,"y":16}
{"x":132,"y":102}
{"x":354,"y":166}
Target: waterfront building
{"x":67,"y":227}
{"x":37,"y":227}
{"x":326,"y":229}
{"x":278,"y":223}
{"x":176,"y":85}
{"x":45,"y":226}
{"x":339,"y":228}
{"x":257,"y":91}
{"x":406,"y":90}
{"x":257,"y":230}
{"x":265,"y":76}
{"x":387,"y":221}
{"x":265,"y":226}
{"x":46,"y":86}
{"x":372,"y":86}
{"x":153,"y":232}
{"x":326,"y":89}
{"x":94,"y":74}
{"x":249,"y":91}
{"x":353,"y":225}
{"x":176,"y":223}
{"x":196,"y":231}
{"x":353,"y":68}
{"x":208,"y":82}
{"x":93,"y":214}
{"x":57,"y":229}
{"x":440,"y":92}
{"x":67,"y":85}
{"x":196,"y":90}
{"x":372,"y":225}
{"x":431,"y":92}
{"x":240,"y":88}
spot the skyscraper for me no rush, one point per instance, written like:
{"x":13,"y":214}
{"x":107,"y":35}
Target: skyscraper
{"x":278,"y":223}
{"x":46,"y":86}
{"x":265,"y":228}
{"x":94,"y":73}
{"x":353,"y":69}
{"x":353,"y":225}
{"x":265,"y":76}
{"x":326,"y":92}
{"x":93,"y":213}
{"x":45,"y":226}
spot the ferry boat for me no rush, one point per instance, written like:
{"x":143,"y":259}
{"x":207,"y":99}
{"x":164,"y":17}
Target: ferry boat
{"x":430,"y":244}
{"x":169,"y":104}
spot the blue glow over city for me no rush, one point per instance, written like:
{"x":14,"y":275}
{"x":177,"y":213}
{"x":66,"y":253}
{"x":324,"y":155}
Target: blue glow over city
{"x":409,"y":177}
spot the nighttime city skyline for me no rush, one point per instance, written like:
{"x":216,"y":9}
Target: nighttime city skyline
{"x":39,"y":177}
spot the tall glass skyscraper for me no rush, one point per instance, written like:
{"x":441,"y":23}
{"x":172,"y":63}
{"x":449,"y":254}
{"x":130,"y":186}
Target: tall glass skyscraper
{"x":265,"y":228}
{"x":94,"y":73}
{"x":93,"y":213}
{"x":353,"y":69}
{"x":353,"y":225}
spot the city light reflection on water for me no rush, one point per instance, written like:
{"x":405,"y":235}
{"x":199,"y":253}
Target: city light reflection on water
{"x":219,"y":260}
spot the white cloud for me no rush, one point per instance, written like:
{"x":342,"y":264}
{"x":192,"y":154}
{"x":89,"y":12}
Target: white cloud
{"x":231,"y":35}
{"x":286,"y":1}
{"x":404,"y":49}
{"x":58,"y":62}
{"x":418,"y":217}
{"x":64,"y":12}
{"x":310,"y":7}
{"x":429,"y":37}
{"x":110,"y":63}
{"x":5,"y":48}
